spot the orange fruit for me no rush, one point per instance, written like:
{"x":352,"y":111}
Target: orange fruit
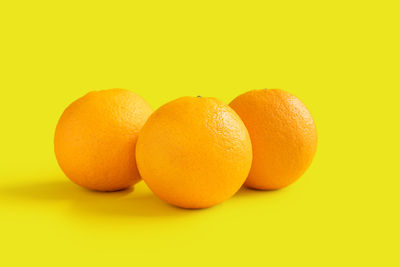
{"x":96,"y":136}
{"x":194,"y":152}
{"x":282,"y":133}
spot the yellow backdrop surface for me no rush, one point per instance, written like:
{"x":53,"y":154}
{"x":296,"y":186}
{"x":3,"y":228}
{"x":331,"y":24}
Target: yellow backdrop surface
{"x":340,"y":57}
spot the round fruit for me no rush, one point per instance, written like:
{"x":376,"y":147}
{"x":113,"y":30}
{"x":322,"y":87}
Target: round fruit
{"x":96,"y":136}
{"x":194,"y":152}
{"x":283,"y":136}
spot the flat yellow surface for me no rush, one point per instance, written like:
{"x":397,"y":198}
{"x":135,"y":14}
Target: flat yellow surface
{"x":340,"y":57}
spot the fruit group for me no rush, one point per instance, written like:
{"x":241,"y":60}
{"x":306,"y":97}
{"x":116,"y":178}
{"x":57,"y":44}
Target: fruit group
{"x":194,"y":152}
{"x":96,"y":136}
{"x":282,"y":133}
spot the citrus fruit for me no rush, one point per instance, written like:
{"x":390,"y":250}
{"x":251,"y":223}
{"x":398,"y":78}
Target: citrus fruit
{"x":194,"y":152}
{"x":282,"y":133}
{"x":95,"y":139}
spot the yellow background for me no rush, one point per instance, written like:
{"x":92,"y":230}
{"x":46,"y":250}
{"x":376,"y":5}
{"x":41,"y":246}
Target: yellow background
{"x":340,"y":57}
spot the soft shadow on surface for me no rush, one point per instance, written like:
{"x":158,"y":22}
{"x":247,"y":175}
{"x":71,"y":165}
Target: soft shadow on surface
{"x":121,"y":203}
{"x":250,"y":192}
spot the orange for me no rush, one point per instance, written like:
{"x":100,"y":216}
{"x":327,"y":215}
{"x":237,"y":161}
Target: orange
{"x":282,"y":133}
{"x":96,"y":136}
{"x":194,"y":152}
